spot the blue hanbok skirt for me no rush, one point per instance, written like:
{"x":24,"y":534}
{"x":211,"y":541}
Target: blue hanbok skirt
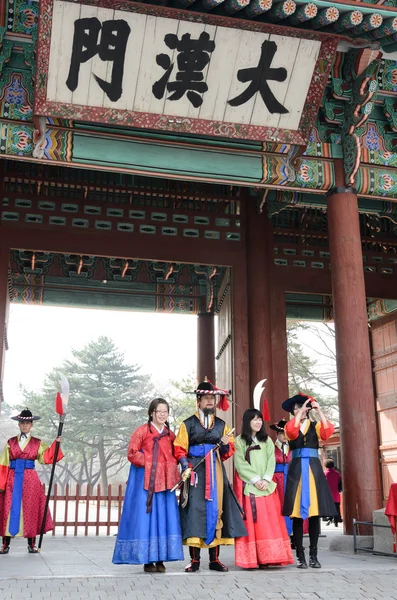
{"x":147,"y":537}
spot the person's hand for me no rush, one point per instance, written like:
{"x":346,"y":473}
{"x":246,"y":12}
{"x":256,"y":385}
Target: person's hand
{"x":225,"y":439}
{"x":59,"y":439}
{"x":315,"y":405}
{"x":304,"y":409}
{"x":261,"y":485}
{"x":186,"y":473}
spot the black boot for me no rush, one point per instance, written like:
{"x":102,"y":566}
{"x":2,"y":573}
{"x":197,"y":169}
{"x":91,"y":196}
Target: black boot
{"x":313,"y":562}
{"x":5,"y":548}
{"x":300,"y":558}
{"x":215,"y":563}
{"x":194,"y":564}
{"x":32,"y":548}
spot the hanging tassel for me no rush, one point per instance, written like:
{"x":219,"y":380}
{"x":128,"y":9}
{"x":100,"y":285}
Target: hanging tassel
{"x":223,"y":404}
{"x":59,"y":408}
{"x":265,"y":410}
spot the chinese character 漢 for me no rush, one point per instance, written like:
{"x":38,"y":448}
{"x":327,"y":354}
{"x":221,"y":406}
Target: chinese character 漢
{"x":193,"y":57}
{"x":111,"y":47}
{"x":259,"y":76}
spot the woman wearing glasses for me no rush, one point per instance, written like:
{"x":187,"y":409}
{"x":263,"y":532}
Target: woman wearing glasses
{"x":149,"y":530}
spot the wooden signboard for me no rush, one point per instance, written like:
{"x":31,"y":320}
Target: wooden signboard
{"x":157,"y":68}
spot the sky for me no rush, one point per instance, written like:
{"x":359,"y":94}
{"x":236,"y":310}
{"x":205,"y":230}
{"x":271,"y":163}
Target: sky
{"x":41,"y":337}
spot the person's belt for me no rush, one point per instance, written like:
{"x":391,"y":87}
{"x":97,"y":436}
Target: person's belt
{"x":18,"y":465}
{"x":304,"y":453}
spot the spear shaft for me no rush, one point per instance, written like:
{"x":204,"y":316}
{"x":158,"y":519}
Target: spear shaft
{"x":60,"y":427}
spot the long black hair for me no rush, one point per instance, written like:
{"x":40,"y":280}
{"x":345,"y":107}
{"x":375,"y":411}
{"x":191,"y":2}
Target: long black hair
{"x":152,"y":407}
{"x":246,"y":432}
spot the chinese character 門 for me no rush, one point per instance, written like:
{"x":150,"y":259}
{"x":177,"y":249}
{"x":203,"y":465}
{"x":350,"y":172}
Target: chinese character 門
{"x":111,"y":47}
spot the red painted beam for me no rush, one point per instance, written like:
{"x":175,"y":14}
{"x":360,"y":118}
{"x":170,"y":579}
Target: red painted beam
{"x":123,"y":245}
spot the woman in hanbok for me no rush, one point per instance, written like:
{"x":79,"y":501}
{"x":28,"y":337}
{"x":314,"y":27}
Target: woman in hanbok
{"x":307,"y":495}
{"x":267,"y":542}
{"x":22,"y":500}
{"x":149,"y":531}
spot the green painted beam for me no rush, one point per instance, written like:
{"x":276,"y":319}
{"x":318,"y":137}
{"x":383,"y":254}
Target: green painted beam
{"x":166,"y":159}
{"x":252,"y":145}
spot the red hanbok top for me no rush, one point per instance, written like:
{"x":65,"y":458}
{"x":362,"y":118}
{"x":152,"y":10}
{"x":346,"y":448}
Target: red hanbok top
{"x":140,"y":454}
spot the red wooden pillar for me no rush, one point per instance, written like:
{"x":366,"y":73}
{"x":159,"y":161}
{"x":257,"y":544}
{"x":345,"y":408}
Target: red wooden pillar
{"x":260,"y":246}
{"x":279,"y":350}
{"x":359,"y":439}
{"x":205,"y":347}
{"x":241,"y":391}
{"x":4,"y":304}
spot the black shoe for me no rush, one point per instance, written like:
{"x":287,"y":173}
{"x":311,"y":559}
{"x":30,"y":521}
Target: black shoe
{"x":32,"y":549}
{"x":5,"y":548}
{"x":301,"y":559}
{"x":216,"y":565}
{"x":193,"y":566}
{"x":160,"y":567}
{"x":313,"y":562}
{"x":150,"y":568}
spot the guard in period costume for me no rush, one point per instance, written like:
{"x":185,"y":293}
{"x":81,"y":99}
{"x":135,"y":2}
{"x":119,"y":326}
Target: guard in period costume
{"x":307,"y":494}
{"x":149,"y":531}
{"x":282,"y":456}
{"x":210,"y":516}
{"x":22,"y":500}
{"x":267,"y":542}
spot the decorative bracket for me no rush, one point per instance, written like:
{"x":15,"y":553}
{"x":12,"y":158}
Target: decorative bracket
{"x":293,"y":161}
{"x":39,"y":140}
{"x":360,"y":72}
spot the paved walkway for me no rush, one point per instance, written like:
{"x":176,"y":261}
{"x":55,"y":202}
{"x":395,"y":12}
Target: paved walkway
{"x":77,"y":568}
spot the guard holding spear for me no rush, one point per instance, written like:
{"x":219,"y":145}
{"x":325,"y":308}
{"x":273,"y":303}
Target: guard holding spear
{"x":210,"y":515}
{"x":22,"y":500}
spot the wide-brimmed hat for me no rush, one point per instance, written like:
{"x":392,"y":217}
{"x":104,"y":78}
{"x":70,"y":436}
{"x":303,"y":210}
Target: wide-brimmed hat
{"x":279,"y":427}
{"x":289,"y":404}
{"x":207,"y":388}
{"x":25,"y":416}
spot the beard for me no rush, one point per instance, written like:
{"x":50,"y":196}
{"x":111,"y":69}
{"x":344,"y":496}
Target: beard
{"x":208,"y":411}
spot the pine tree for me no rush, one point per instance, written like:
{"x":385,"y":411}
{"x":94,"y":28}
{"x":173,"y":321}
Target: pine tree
{"x":108,"y":401}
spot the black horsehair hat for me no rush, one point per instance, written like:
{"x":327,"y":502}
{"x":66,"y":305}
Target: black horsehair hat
{"x":279,"y":427}
{"x":25,"y":416}
{"x":207,"y":388}
{"x":289,"y":404}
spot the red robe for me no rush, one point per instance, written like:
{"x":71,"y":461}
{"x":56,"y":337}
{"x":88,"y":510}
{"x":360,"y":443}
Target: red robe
{"x":281,"y":458}
{"x":33,"y":497}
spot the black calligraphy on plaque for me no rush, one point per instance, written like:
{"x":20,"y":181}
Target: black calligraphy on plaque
{"x":111,"y":47}
{"x":259,"y":77}
{"x":193,"y":56}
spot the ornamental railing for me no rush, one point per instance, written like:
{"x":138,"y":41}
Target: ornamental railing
{"x":86,"y":510}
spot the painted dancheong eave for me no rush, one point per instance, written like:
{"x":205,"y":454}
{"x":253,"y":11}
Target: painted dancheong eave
{"x":228,"y":101}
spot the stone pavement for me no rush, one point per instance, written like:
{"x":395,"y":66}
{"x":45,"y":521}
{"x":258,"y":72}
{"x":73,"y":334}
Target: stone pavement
{"x":77,"y":568}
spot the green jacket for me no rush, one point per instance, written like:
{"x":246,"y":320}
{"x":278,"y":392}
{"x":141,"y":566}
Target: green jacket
{"x":262,"y":466}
